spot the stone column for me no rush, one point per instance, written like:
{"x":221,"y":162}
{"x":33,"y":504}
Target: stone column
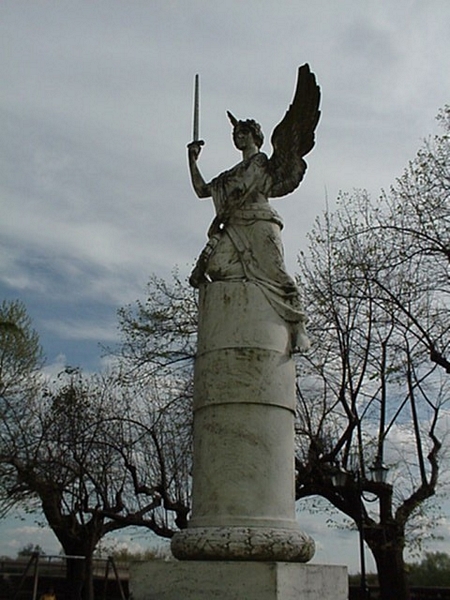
{"x":244,"y":402}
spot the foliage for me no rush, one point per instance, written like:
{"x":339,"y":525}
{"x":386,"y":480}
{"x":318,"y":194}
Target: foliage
{"x":20,"y":351}
{"x":29,"y":550}
{"x":124,"y":555}
{"x":159,"y":335}
{"x":21,"y":357}
{"x":433,"y":570}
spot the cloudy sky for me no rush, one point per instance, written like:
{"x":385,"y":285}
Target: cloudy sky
{"x":96,"y":111}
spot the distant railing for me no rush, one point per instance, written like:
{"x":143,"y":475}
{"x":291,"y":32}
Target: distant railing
{"x":416,"y":593}
{"x":29,"y":577}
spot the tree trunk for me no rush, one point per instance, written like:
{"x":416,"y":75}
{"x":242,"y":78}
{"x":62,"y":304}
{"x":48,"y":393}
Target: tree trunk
{"x":79,"y":578}
{"x":387,"y":551}
{"x":88,"y":589}
{"x":75,"y":577}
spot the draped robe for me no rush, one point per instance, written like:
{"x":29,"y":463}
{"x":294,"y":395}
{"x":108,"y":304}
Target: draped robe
{"x":245,"y":240}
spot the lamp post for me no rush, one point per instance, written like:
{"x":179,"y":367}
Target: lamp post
{"x":340,"y":478}
{"x":364,"y":588}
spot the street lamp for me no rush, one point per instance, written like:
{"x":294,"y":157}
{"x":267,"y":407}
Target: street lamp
{"x":340,"y":478}
{"x":379,"y":471}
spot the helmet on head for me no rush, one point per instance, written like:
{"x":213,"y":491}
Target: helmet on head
{"x":251,"y":124}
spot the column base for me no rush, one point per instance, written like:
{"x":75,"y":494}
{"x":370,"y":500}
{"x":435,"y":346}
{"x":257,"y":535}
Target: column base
{"x":243,"y":544}
{"x":158,"y":580}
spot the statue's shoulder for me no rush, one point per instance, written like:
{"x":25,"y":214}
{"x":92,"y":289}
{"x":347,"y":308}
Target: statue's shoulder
{"x":260,"y":159}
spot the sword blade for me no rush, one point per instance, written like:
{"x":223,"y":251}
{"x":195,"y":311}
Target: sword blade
{"x":196,"y":125}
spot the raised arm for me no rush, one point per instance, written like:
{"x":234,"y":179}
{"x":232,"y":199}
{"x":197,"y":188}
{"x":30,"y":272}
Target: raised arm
{"x":202,"y":189}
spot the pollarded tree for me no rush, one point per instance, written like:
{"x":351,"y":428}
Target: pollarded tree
{"x":93,"y":454}
{"x":54,"y":460}
{"x":83,"y":456}
{"x":153,"y":443}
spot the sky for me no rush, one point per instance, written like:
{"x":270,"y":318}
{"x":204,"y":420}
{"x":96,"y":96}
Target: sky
{"x":96,"y":112}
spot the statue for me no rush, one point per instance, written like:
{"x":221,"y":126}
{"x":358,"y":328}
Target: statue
{"x":244,"y":241}
{"x":250,"y":321}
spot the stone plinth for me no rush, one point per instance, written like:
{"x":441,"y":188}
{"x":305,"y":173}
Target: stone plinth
{"x":243,"y":499}
{"x":216,"y":580}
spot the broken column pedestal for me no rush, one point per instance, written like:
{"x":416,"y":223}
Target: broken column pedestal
{"x":243,"y":501}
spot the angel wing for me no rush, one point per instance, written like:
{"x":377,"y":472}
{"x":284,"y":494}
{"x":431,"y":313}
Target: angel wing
{"x":294,"y":137}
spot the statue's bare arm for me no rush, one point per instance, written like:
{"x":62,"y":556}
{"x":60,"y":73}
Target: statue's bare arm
{"x":202,"y":189}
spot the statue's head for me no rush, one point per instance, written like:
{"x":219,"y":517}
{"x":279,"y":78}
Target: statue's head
{"x":251,"y":125}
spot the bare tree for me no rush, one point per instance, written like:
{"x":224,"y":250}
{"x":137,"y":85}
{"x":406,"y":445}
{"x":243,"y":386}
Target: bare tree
{"x":93,"y":459}
{"x":156,"y":358}
{"x":412,"y":222}
{"x":372,"y":391}
{"x":54,"y":460}
{"x":159,"y":335}
{"x":21,"y":357}
{"x":98,"y":453}
{"x":369,"y":384}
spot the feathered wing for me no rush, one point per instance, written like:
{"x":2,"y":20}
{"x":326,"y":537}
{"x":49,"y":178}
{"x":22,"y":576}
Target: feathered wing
{"x":294,"y":137}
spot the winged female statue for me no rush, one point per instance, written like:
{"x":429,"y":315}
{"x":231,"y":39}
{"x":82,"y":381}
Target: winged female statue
{"x":244,"y":241}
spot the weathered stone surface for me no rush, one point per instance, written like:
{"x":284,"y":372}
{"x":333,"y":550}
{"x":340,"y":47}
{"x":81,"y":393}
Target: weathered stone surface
{"x":243,"y":504}
{"x":244,"y":466}
{"x":234,"y":375}
{"x":244,"y":543}
{"x":219,"y":580}
{"x":236,"y":314}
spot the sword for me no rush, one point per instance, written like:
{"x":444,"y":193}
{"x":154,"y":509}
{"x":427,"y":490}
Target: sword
{"x":195,"y":129}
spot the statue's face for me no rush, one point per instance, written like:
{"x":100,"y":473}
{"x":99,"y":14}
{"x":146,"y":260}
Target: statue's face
{"x":243,"y":137}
